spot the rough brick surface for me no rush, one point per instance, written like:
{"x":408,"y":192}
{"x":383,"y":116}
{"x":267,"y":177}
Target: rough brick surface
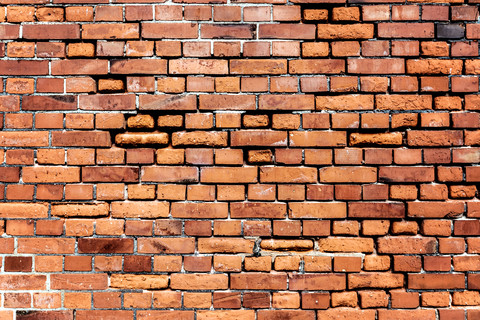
{"x":239,"y":159}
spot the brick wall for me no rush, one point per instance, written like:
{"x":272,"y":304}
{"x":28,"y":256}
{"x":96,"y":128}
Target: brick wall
{"x":247,"y":159}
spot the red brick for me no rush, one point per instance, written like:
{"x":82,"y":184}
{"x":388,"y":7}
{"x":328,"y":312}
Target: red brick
{"x":79,"y":67}
{"x":81,"y":139}
{"x":153,"y":66}
{"x":345,"y":31}
{"x":317,"y":139}
{"x":198,"y":66}
{"x":199,"y":281}
{"x":112,"y":174}
{"x":406,"y":314}
{"x":344,"y":102}
{"x":164,"y":315}
{"x":170,"y":30}
{"x":376,"y":66}
{"x":23,"y":67}
{"x":110,"y":31}
{"x":435,"y":209}
{"x":51,"y":31}
{"x":286,"y":31}
{"x":227,"y":102}
{"x":219,"y":31}
{"x":316,"y":210}
{"x":376,"y":210}
{"x":406,"y":30}
{"x":407,"y":245}
{"x":436,"y":281}
{"x":258,"y":209}
{"x":258,"y":66}
{"x":434,"y":66}
{"x":317,"y":282}
{"x":104,"y":314}
{"x":167,"y":102}
{"x":346,"y":313}
{"x":316,"y":66}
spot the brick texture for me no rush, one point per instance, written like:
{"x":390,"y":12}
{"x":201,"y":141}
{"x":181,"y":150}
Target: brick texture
{"x":250,"y":159}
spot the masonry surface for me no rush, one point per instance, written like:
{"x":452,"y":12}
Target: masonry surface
{"x":248,"y":159}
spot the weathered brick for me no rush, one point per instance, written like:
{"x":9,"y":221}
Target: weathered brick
{"x":228,"y":175}
{"x":376,"y":66}
{"x":225,"y":245}
{"x":145,"y":282}
{"x":379,"y":210}
{"x":44,"y":315}
{"x":346,"y":244}
{"x":317,"y":139}
{"x":199,"y":281}
{"x":23,"y":139}
{"x":134,"y":66}
{"x":345,"y":31}
{"x":168,"y":174}
{"x":139,"y":209}
{"x":105,"y":245}
{"x":406,"y":314}
{"x":46,"y":245}
{"x":79,"y":67}
{"x":288,"y":175}
{"x":435,"y":210}
{"x":23,"y":67}
{"x":346,"y":313}
{"x":286,"y":31}
{"x":110,"y":31}
{"x":392,"y":138}
{"x":52,"y":102}
{"x":286,"y":102}
{"x":434,"y":66}
{"x":199,"y":210}
{"x":109,"y":174}
{"x":258,"y":281}
{"x":23,"y":282}
{"x":136,"y":139}
{"x":258,"y":210}
{"x":316,"y":66}
{"x":406,"y":245}
{"x":80,"y":210}
{"x":348,"y":174}
{"x":199,"y":138}
{"x":81,"y":139}
{"x":436,"y":281}
{"x":166,"y":245}
{"x":258,"y":66}
{"x":406,"y":174}
{"x":225,"y":31}
{"x":317,"y":282}
{"x":164,"y":314}
{"x":375,"y":280}
{"x":432,"y":138}
{"x":167,"y":102}
{"x":51,"y":174}
{"x":51,"y":31}
{"x":344,"y":102}
{"x":291,"y":245}
{"x":116,"y":314}
{"x":198,"y":66}
{"x":316,"y":210}
{"x":403,"y":102}
{"x":258,"y":138}
{"x":23,"y":210}
{"x":406,"y":30}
